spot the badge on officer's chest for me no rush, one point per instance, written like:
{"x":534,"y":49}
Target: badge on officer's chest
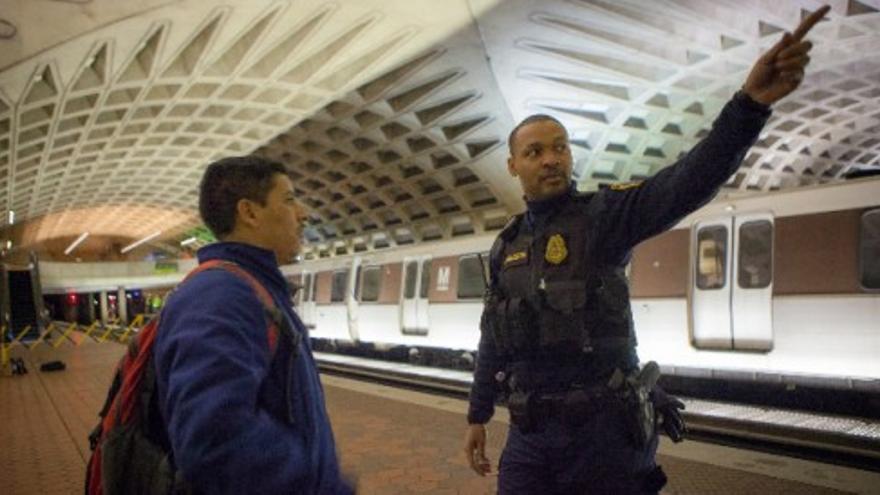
{"x":556,"y":251}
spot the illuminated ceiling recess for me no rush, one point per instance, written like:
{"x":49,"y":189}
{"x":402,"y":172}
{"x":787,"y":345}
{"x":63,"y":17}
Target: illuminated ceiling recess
{"x":392,"y":115}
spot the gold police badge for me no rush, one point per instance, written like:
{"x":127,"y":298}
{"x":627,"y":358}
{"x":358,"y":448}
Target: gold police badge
{"x":556,"y":251}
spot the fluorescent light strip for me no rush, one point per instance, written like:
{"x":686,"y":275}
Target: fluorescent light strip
{"x":11,"y":217}
{"x":76,"y":243}
{"x":187,"y":242}
{"x":138,"y":243}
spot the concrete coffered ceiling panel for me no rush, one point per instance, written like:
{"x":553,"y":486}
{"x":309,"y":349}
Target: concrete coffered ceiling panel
{"x":638,"y":83}
{"x":392,"y":116}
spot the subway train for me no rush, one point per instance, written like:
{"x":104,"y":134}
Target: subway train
{"x":779,"y":288}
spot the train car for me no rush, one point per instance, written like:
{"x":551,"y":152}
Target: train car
{"x":427,"y":299}
{"x":774,"y":287}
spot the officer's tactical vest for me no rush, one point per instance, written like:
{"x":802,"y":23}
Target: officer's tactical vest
{"x":555,"y":297}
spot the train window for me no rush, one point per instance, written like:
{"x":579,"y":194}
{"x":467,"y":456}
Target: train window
{"x":755,"y":254}
{"x":471,"y":281}
{"x":340,"y":283}
{"x":426,"y":279}
{"x":371,"y":285}
{"x":711,"y":257}
{"x":409,"y":289}
{"x":869,"y":250}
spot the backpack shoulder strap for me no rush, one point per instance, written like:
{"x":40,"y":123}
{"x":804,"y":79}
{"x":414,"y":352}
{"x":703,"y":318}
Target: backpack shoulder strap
{"x":277,"y":322}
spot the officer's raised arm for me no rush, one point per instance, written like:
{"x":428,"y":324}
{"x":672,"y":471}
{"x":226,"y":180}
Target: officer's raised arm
{"x":638,"y":211}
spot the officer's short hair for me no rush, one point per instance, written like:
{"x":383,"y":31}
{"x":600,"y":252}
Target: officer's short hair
{"x":229,"y":180}
{"x":531,"y":119}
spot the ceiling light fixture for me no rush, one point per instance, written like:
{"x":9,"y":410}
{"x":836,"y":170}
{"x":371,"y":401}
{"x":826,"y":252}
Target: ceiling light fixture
{"x":187,"y":242}
{"x":138,"y":243}
{"x":76,"y":243}
{"x":11,"y":217}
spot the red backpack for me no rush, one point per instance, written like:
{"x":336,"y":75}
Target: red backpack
{"x":130,"y":448}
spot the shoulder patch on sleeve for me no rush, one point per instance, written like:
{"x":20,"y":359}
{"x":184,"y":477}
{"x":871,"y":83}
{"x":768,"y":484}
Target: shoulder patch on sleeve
{"x":623,"y":186}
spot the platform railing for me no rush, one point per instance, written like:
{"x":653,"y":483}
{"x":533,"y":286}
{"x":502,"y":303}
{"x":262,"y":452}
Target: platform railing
{"x":57,"y":333}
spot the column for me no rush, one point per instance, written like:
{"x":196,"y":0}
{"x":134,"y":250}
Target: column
{"x":104,"y":307}
{"x":122,"y":306}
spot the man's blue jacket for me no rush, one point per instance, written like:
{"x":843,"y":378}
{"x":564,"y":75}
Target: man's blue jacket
{"x":222,"y":395}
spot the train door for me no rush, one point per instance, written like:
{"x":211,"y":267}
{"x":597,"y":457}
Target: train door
{"x":307,"y":299}
{"x":351,"y":301}
{"x":752,"y":302}
{"x":414,"y":303}
{"x":732,"y":287}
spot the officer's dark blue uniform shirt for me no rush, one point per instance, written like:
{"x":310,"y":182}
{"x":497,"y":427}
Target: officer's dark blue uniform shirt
{"x":630,"y":213}
{"x":222,"y":395}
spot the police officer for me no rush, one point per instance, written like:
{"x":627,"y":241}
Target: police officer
{"x":557,"y":332}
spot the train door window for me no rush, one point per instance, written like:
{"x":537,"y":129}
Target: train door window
{"x":409,"y":288}
{"x":711,"y":257}
{"x":869,"y":250}
{"x":471,"y":283}
{"x":426,"y":279}
{"x":371,"y":284}
{"x":755,"y":254}
{"x":340,"y":284}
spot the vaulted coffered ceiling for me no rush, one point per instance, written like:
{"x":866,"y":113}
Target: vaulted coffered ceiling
{"x":392,"y":116}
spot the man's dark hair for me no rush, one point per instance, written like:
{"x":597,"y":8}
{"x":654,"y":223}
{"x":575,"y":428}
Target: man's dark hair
{"x":229,"y":180}
{"x":531,"y":119}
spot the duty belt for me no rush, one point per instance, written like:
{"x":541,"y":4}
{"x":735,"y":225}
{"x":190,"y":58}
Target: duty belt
{"x":530,"y":411}
{"x":574,"y":407}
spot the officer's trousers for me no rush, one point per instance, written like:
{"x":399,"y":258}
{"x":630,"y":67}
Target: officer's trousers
{"x":599,"y":457}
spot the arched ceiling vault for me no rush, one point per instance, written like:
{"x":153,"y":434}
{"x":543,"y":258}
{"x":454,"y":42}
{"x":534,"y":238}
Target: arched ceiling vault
{"x":392,"y":115}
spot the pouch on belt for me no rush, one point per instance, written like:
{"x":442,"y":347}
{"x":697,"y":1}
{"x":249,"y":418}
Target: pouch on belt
{"x":522,"y":411}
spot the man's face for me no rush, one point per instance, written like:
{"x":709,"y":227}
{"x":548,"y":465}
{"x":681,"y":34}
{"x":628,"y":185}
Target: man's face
{"x":541,"y":159}
{"x":281,"y":221}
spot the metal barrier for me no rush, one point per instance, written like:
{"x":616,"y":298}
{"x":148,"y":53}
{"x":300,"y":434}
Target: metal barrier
{"x":57,"y":333}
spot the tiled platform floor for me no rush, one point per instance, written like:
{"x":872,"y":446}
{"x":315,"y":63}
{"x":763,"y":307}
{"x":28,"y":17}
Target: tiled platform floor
{"x":391,"y":441}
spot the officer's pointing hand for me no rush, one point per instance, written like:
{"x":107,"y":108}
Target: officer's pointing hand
{"x":781,"y":70}
{"x":475,"y":449}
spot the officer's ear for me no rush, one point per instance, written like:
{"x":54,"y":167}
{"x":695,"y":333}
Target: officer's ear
{"x":511,"y":168}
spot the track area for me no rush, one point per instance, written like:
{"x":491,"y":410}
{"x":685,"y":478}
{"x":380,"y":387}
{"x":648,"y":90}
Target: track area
{"x":853,"y":442}
{"x":403,"y":441}
{"x":392,"y":440}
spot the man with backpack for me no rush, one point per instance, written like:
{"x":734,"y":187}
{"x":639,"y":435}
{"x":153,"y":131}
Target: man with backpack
{"x":235,"y":404}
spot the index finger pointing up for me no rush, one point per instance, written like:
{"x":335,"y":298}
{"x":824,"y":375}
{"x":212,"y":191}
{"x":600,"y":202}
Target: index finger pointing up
{"x":808,"y":23}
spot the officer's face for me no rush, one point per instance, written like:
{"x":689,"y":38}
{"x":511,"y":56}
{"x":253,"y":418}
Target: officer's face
{"x":541,"y":159}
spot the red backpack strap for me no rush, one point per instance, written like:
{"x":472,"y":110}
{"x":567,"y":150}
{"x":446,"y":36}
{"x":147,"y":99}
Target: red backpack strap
{"x":278,"y":323}
{"x":277,"y":320}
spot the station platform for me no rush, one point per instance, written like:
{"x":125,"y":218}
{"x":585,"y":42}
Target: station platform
{"x":390,"y":440}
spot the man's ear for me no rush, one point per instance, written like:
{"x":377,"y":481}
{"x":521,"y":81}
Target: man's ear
{"x":245,"y":213}
{"x":510,"y":167}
